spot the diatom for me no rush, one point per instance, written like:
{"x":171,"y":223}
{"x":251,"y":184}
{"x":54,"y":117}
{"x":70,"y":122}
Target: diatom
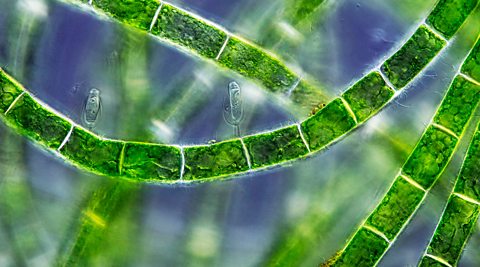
{"x":92,"y":108}
{"x":233,"y":106}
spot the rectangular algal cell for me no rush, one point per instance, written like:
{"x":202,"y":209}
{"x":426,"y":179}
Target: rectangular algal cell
{"x":182,"y":28}
{"x":38,"y":123}
{"x":308,"y":96}
{"x":365,"y":249}
{"x":430,"y":157}
{"x":468,"y":182}
{"x":449,"y":15}
{"x":458,"y":105}
{"x":214,"y":160}
{"x":93,"y":153}
{"x":396,"y":208}
{"x":9,"y":91}
{"x":415,"y":55}
{"x":455,"y":227}
{"x":250,"y":61}
{"x":368,"y":95}
{"x":275,"y":147}
{"x":151,"y":162}
{"x":327,"y":125}
{"x":136,"y":13}
{"x":471,"y":66}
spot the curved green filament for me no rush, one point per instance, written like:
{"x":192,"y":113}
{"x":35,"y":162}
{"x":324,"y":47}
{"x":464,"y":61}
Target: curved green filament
{"x":171,"y":163}
{"x":419,"y":173}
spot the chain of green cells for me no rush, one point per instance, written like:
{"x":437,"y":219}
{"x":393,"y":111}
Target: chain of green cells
{"x":207,"y":40}
{"x":460,"y":215}
{"x":172,"y":164}
{"x":170,"y":109}
{"x":420,"y":172}
{"x":91,"y":229}
{"x":463,"y":207}
{"x":312,"y":12}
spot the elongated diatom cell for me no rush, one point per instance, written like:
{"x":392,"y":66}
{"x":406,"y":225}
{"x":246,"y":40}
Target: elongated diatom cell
{"x":136,"y":13}
{"x":458,"y":105}
{"x":417,"y":52}
{"x":396,"y":208}
{"x":275,"y":147}
{"x":38,"y":123}
{"x":430,"y":156}
{"x":250,"y":61}
{"x":368,"y":95}
{"x":456,"y":225}
{"x":233,"y":104}
{"x":151,"y":162}
{"x":365,"y":247}
{"x":327,"y":125}
{"x":471,"y":67}
{"x":449,"y":15}
{"x":214,"y":160}
{"x":182,"y":28}
{"x":92,"y":108}
{"x":93,"y":153}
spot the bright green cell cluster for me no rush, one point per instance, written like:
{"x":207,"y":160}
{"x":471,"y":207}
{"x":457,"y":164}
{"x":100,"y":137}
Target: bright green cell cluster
{"x":214,"y":160}
{"x":458,"y":105}
{"x":365,"y":247}
{"x":93,"y":153}
{"x":136,"y":13}
{"x":275,"y":147}
{"x":471,"y":67}
{"x":327,"y":125}
{"x":33,"y":120}
{"x":253,"y":63}
{"x":468,"y":183}
{"x":461,"y":214}
{"x":419,"y":50}
{"x":396,"y":208}
{"x":430,"y":156}
{"x":456,"y":225}
{"x":449,"y":15}
{"x":368,"y":95}
{"x":421,"y":170}
{"x":151,"y":162}
{"x":178,"y":26}
{"x":9,"y":91}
